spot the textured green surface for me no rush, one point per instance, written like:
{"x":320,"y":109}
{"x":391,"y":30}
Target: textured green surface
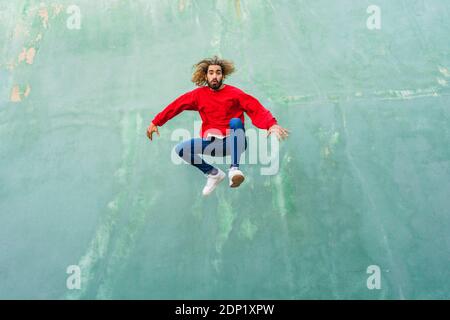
{"x":364,"y":177}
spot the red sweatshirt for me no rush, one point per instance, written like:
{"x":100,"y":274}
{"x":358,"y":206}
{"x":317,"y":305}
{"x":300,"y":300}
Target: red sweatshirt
{"x":217,"y":108}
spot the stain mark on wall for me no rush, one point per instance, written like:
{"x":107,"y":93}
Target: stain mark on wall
{"x":17,"y":95}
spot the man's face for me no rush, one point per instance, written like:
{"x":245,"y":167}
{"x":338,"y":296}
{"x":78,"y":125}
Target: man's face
{"x":214,"y":77}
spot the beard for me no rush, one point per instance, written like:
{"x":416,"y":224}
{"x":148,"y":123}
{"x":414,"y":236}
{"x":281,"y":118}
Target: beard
{"x":215,"y":85}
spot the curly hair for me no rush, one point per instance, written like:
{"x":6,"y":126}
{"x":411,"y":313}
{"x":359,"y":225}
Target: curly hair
{"x":201,"y":68}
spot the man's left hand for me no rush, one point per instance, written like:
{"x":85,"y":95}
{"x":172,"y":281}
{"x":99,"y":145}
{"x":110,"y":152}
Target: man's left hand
{"x":279,"y":131}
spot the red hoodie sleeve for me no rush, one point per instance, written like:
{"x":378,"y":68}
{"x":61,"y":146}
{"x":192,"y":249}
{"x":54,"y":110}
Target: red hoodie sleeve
{"x":260,"y":116}
{"x":186,"y":101}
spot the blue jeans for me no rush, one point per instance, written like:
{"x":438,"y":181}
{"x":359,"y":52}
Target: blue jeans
{"x":234,"y":144}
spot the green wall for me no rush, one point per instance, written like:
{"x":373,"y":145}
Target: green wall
{"x":364,"y":177}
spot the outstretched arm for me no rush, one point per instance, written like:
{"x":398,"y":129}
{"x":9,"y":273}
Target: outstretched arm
{"x":186,"y":101}
{"x":261,"y":117}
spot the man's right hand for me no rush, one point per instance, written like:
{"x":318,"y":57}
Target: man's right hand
{"x":152,"y":128}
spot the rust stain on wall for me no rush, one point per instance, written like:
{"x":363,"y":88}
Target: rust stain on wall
{"x":15,"y":94}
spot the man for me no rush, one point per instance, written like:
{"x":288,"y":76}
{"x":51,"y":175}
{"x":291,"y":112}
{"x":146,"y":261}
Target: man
{"x":221,"y":108}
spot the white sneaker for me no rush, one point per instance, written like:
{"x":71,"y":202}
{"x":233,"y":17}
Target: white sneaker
{"x":212,"y":182}
{"x":236,"y":177}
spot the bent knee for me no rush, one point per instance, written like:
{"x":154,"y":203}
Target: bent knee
{"x":236,"y":123}
{"x":179,"y":150}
